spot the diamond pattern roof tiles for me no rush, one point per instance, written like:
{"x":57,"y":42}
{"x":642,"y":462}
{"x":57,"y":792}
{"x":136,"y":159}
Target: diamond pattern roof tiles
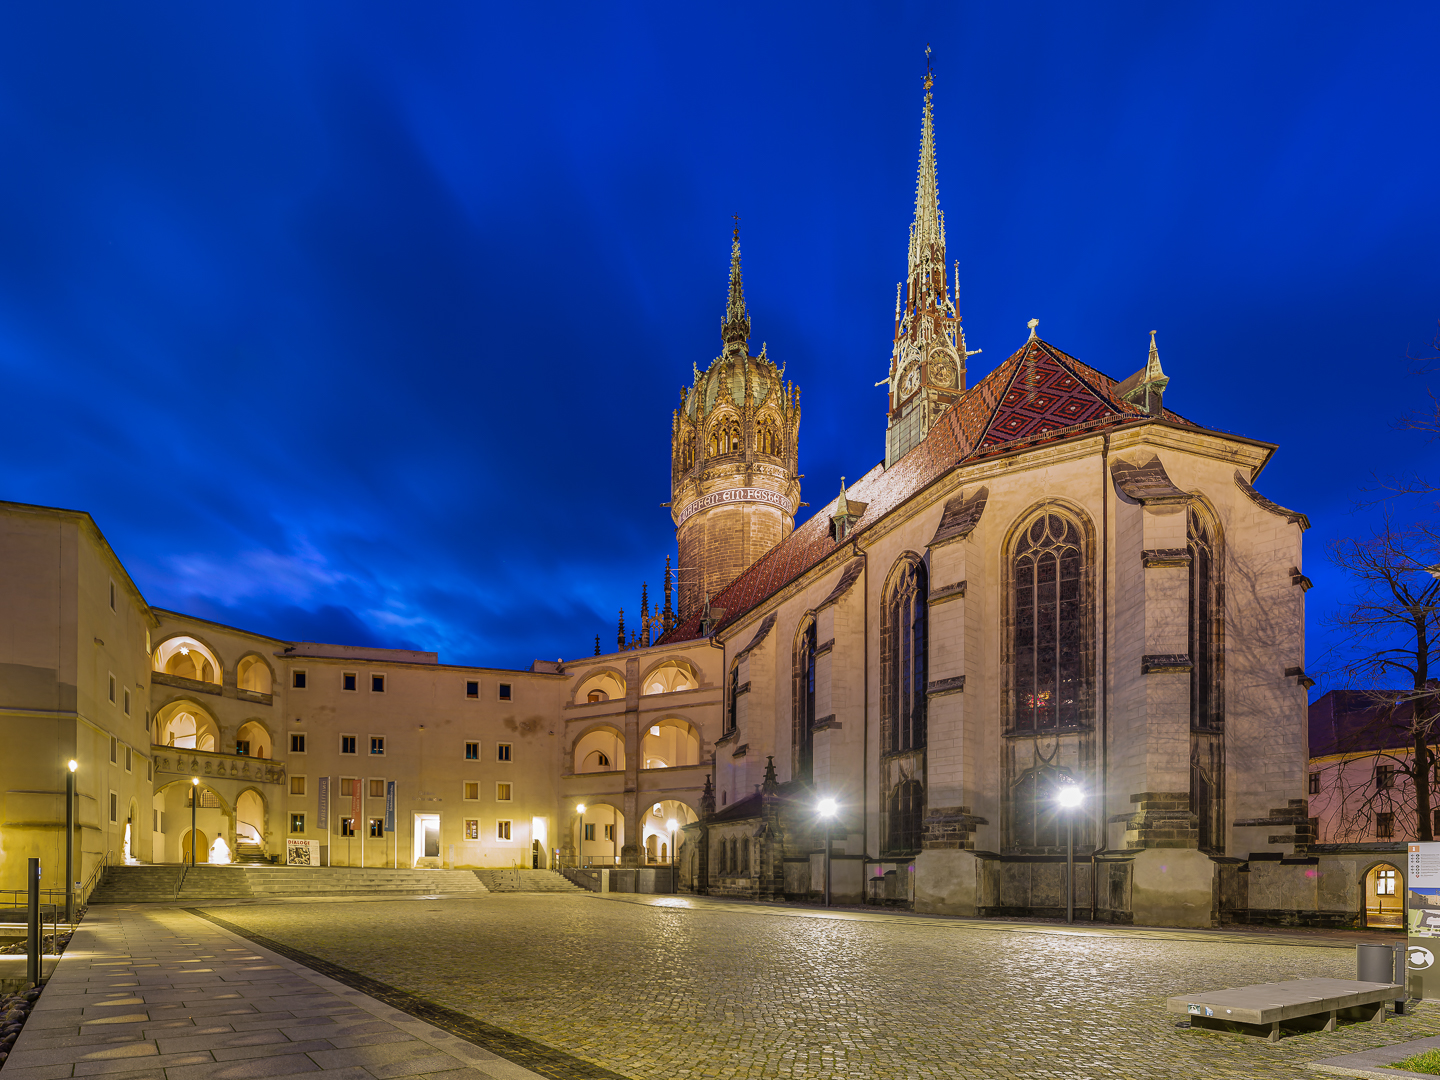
{"x":1037,"y":395}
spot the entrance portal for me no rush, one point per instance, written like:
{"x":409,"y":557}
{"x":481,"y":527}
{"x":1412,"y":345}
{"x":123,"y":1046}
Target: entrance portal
{"x":1384,"y":898}
{"x":202,"y":847}
{"x":427,"y":839}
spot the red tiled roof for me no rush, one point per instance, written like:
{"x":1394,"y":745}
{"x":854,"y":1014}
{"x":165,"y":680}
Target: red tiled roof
{"x":1038,"y":395}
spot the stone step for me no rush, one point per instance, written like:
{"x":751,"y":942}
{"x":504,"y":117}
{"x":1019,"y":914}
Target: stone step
{"x":140,"y":884}
{"x":517,"y":880}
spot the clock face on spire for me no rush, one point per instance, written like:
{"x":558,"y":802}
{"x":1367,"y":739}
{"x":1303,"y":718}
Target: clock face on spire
{"x":910,"y":381}
{"x":942,"y":368}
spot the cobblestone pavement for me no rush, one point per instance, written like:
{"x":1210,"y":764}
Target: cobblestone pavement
{"x":693,"y":988}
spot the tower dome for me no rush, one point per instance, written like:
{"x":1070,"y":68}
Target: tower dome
{"x":734,"y":486}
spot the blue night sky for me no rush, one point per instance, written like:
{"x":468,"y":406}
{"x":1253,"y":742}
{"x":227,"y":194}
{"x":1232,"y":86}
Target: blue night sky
{"x":363,"y":322}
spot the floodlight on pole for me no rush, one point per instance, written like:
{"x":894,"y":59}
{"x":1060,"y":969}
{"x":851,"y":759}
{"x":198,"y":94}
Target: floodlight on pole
{"x":194,"y":802}
{"x":827,"y":808}
{"x":1069,"y":798}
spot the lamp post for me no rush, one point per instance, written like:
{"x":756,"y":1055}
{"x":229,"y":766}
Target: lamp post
{"x":70,"y":841}
{"x":194,"y":801}
{"x":580,"y":837}
{"x":1069,"y":799}
{"x":673,"y":826}
{"x":827,"y":813}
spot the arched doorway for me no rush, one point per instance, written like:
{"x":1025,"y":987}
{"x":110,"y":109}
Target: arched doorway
{"x":1384,"y":898}
{"x":250,"y":827}
{"x":202,"y":847}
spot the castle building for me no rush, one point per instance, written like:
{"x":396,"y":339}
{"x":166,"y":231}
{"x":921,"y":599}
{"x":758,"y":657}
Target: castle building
{"x":1052,"y":580}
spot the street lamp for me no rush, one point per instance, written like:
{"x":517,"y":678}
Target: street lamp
{"x":194,"y":801}
{"x":828,"y":807}
{"x":1069,"y":797}
{"x":673,"y":826}
{"x":70,"y":841}
{"x":580,"y":828}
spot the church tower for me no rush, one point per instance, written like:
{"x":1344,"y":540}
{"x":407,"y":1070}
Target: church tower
{"x":927,"y":364}
{"x":733,"y":452}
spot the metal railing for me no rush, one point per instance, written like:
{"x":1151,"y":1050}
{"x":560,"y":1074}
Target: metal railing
{"x":19,"y":902}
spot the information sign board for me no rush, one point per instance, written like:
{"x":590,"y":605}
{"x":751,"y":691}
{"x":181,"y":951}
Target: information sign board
{"x":1422,"y":920}
{"x":324,"y":814}
{"x":390,"y":806}
{"x":302,"y":853}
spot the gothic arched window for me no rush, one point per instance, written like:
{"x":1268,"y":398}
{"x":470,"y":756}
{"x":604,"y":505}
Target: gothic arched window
{"x":1036,"y":818}
{"x":904,"y":657}
{"x":1050,"y":642}
{"x":805,"y":703}
{"x":744,"y":858}
{"x":730,"y":708}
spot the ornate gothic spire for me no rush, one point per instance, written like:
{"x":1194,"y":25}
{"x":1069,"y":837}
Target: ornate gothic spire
{"x":927,"y":232}
{"x":735,"y":330}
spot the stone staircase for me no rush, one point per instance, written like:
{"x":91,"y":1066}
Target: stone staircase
{"x":531,"y":881}
{"x":172,"y":884}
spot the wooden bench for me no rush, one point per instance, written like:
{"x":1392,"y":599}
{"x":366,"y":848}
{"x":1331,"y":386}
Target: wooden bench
{"x":1261,"y":1009}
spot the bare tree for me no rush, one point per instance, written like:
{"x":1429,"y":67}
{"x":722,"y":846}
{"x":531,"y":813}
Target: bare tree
{"x":1392,"y":655}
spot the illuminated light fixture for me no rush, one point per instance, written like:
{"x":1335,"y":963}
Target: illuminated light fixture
{"x":195,"y":780}
{"x":1069,"y":796}
{"x":828,"y":807}
{"x":580,"y":809}
{"x":673,"y":824}
{"x":184,"y":650}
{"x":74,"y":764}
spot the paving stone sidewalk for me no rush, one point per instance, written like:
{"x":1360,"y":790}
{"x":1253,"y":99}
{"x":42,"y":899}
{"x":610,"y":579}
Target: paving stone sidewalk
{"x":161,"y":994}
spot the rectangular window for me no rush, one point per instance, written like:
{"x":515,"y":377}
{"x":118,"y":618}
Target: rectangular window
{"x":1314,"y":783}
{"x":348,"y":680}
{"x":472,"y":688}
{"x":112,"y":689}
{"x":297,"y":785}
{"x":114,"y":750}
{"x":609,"y":832}
{"x":377,"y":745}
{"x":1384,"y":882}
{"x":1384,"y":826}
{"x":502,"y":792}
{"x":1384,"y":777}
{"x":347,"y":826}
{"x":502,"y":751}
{"x":347,"y":744}
{"x":472,"y":828}
{"x":347,"y":787}
{"x":377,"y":828}
{"x":377,"y":789}
{"x":502,"y":830}
{"x":472,"y":751}
{"x":297,"y":680}
{"x":377,"y":684}
{"x":127,"y":701}
{"x":472,"y":791}
{"x":114,"y":806}
{"x":242,"y":747}
{"x":297,"y":744}
{"x":112,"y":596}
{"x":589,"y":832}
{"x":505,"y":691}
{"x":297,"y":823}
{"x":128,"y":760}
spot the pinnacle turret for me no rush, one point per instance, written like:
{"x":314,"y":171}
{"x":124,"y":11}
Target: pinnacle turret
{"x":735,"y":330}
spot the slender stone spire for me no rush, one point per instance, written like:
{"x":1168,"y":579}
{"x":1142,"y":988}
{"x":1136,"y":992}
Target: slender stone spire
{"x":1146,"y":388}
{"x":735,"y":330}
{"x":927,"y":231}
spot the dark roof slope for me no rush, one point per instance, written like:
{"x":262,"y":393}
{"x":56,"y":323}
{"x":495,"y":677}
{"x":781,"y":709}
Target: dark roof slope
{"x":1357,"y":722}
{"x":1038,"y":395}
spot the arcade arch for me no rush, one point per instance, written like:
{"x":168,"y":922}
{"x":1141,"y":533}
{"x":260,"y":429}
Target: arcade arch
{"x":253,"y":673}
{"x":187,"y":658}
{"x":250,"y":819}
{"x":1384,"y":896}
{"x":656,"y":830}
{"x":600,"y":749}
{"x":601,"y":834}
{"x":602,"y":686}
{"x":186,"y":725}
{"x":668,"y":744}
{"x":253,"y":739}
{"x":669,"y":677}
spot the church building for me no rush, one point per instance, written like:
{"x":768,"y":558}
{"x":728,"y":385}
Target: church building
{"x":1055,"y":583}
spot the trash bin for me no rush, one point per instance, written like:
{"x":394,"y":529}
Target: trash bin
{"x":1375,"y":963}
